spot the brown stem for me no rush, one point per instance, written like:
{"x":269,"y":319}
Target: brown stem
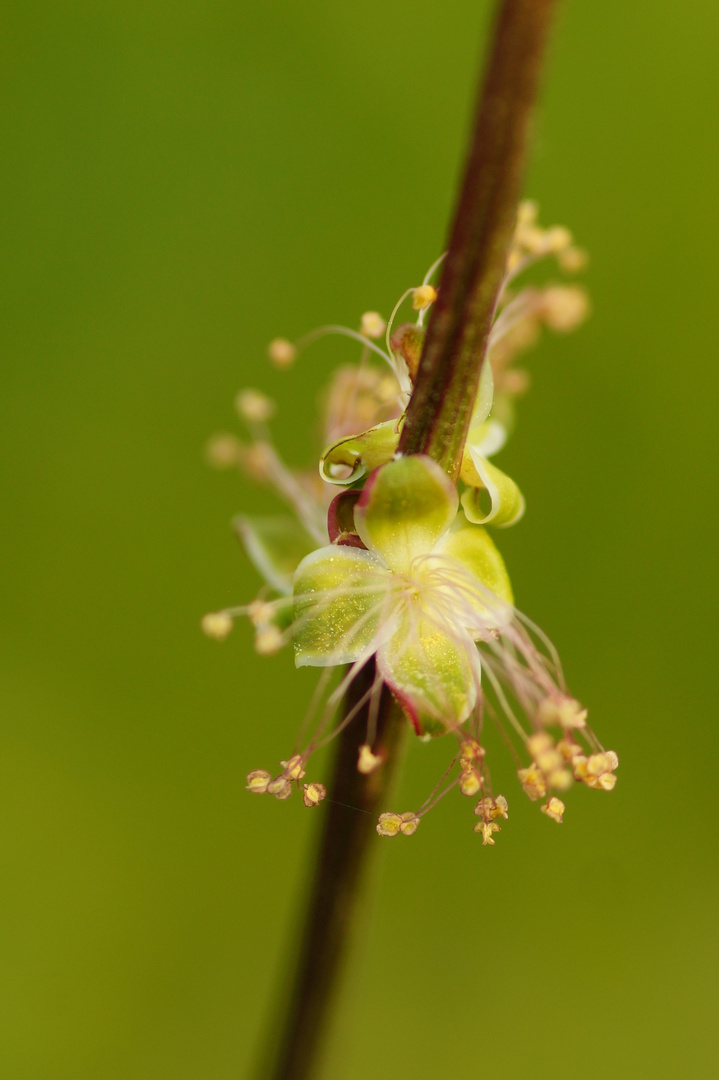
{"x":436,"y":424}
{"x":351,"y":810}
{"x":441,"y":407}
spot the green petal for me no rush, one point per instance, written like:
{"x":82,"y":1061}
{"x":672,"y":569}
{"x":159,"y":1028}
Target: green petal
{"x":338,"y":601}
{"x":433,"y":675}
{"x":360,"y":454}
{"x":404,"y":509}
{"x":506,"y":500}
{"x":276,"y":547}
{"x":472,"y":546}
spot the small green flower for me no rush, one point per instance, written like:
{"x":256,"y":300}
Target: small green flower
{"x":428,"y":586}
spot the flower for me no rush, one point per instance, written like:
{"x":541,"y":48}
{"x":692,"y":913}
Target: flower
{"x":398,"y":566}
{"x":426,"y":586}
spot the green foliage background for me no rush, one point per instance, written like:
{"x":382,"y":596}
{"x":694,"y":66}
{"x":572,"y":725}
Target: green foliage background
{"x":184,"y":181}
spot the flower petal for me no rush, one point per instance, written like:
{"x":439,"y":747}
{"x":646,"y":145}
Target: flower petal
{"x":405,"y":508}
{"x":276,"y":546}
{"x":471,"y":546}
{"x":506,"y":500}
{"x":352,"y":457}
{"x":433,"y":674}
{"x":338,"y":601}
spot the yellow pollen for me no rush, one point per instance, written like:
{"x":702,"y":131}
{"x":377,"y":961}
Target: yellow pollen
{"x":423,"y":296}
{"x":470,"y":782}
{"x":223,"y":451}
{"x":372,"y":325}
{"x":533,"y":782}
{"x":217,"y":625}
{"x":410,"y":821}
{"x":554,"y":809}
{"x":389,"y":824}
{"x":293,"y":767}
{"x":367,"y":761}
{"x":280,"y":787}
{"x":487,"y":828}
{"x":313,"y":793}
{"x":254,"y":406}
{"x":281,"y":352}
{"x":258,"y":781}
{"x":489,"y":808}
{"x":268,"y":640}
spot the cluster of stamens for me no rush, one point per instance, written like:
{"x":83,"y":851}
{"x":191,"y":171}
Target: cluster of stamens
{"x":260,"y":782}
{"x":512,"y":665}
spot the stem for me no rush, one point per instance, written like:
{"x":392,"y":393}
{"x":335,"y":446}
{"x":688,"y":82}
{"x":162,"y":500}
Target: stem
{"x":458,"y":332}
{"x":352,"y":807}
{"x":436,"y":424}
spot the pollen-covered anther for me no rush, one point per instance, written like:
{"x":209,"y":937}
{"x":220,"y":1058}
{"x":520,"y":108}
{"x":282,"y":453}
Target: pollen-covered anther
{"x":554,"y":809}
{"x":223,"y":451}
{"x":260,"y":612}
{"x":268,"y":640}
{"x":533,"y":781}
{"x":216,"y":624}
{"x":293,"y":767}
{"x":489,"y":808}
{"x":541,"y":747}
{"x":372,"y":324}
{"x":254,"y":406}
{"x":558,"y":238}
{"x":470,"y":782}
{"x":423,"y":296}
{"x":280,"y":787}
{"x":389,"y":824}
{"x":572,"y":260}
{"x":565,"y":712}
{"x":313,"y":793}
{"x":367,"y":762}
{"x":487,"y":828}
{"x":409,"y":824}
{"x":568,"y":749}
{"x":564,"y":307}
{"x":258,"y":781}
{"x":597,"y":771}
{"x":281,"y":352}
{"x":470,"y":750}
{"x":560,"y":779}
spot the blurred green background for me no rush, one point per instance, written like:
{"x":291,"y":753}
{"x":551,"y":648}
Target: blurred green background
{"x":182,"y":182}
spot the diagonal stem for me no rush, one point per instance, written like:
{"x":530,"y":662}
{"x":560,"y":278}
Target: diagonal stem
{"x":457,"y":335}
{"x":436,"y":424}
{"x":352,"y":807}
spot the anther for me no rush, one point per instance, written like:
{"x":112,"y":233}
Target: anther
{"x":313,"y":794}
{"x":423,"y":296}
{"x":554,"y":809}
{"x":257,"y":781}
{"x":254,"y":406}
{"x":367,"y":762}
{"x":216,"y":624}
{"x":372,"y":325}
{"x":281,"y":352}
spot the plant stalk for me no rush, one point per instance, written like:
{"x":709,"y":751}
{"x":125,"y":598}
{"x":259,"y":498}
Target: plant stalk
{"x":352,"y":807}
{"x":436,"y":424}
{"x":460,"y":320}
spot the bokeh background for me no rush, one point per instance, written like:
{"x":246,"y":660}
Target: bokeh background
{"x":184,"y":181}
